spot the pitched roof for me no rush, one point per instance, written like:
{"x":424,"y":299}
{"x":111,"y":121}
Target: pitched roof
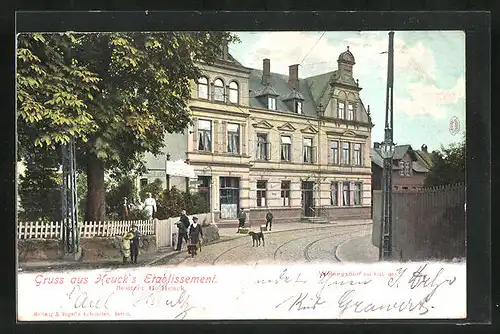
{"x":420,"y":165}
{"x":424,"y":157}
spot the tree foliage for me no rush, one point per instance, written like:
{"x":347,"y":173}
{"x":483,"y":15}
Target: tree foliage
{"x":40,"y":187}
{"x":155,"y":189}
{"x":172,"y":202}
{"x":115,"y":94}
{"x":448,"y":165}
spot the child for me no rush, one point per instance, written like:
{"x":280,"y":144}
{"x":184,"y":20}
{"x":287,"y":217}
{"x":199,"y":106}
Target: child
{"x":126,"y":246}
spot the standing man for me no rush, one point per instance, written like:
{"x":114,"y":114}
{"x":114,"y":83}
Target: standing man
{"x":150,"y":206}
{"x":125,"y":209}
{"x":242,"y":217}
{"x":269,"y":220}
{"x":185,"y":221}
{"x":182,"y":235}
{"x":134,"y":244}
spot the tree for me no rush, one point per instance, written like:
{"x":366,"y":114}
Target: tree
{"x":40,"y":187}
{"x":114,"y":94}
{"x":448,"y":165}
{"x":172,"y":202}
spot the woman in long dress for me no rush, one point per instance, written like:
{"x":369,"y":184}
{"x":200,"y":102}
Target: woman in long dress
{"x":195,"y":234}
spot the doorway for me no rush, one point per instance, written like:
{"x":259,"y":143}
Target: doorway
{"x":229,"y":197}
{"x":308,"y":198}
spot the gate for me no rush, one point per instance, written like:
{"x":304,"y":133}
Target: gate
{"x":163,"y":233}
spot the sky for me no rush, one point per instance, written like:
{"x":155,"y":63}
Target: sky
{"x":429,"y":74}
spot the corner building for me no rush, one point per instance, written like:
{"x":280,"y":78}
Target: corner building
{"x":297,"y":146}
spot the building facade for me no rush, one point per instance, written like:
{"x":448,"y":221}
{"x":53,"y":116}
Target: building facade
{"x":410,"y":167}
{"x":299,"y":147}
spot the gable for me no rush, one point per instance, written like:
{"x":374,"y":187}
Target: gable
{"x":349,"y":133}
{"x":287,"y":127}
{"x":262,"y":125}
{"x":309,"y":129}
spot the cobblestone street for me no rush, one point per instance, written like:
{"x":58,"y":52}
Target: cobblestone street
{"x":310,"y":245}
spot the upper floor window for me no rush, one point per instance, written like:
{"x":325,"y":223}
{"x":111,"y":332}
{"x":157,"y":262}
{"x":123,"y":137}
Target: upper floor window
{"x":233,"y":138}
{"x":203,"y":88}
{"x":334,"y":152}
{"x":262,"y":152}
{"x":407,"y":168}
{"x":350,"y":112}
{"x":271,"y":103}
{"x":298,"y":107}
{"x":341,"y":108}
{"x":357,"y":155}
{"x":218,"y":90}
{"x":233,"y":93}
{"x":401,"y":165}
{"x":308,"y":154}
{"x":204,"y":135}
{"x":286,"y":148}
{"x":345,"y":153}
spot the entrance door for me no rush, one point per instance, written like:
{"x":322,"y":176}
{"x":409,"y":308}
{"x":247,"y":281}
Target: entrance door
{"x":229,"y":197}
{"x":308,"y":198}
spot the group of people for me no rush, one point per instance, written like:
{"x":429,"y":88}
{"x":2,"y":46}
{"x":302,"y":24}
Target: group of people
{"x":149,"y":206}
{"x":190,"y":232}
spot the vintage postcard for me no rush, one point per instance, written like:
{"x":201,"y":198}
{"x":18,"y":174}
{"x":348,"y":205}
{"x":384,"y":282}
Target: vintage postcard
{"x":241,"y":175}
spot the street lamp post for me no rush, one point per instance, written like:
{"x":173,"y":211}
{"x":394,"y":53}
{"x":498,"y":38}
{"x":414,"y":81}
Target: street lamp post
{"x":167,"y":183}
{"x":387,"y":153}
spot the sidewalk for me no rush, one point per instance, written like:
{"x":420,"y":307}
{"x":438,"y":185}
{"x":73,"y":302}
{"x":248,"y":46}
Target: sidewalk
{"x":143,"y":260}
{"x":230,"y":231}
{"x":358,"y":250}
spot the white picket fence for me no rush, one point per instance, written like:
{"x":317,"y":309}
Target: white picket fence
{"x":54,"y":229}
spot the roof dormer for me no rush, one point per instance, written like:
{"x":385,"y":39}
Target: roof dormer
{"x":295,"y":102}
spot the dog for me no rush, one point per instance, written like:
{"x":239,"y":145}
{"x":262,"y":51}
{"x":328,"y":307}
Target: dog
{"x":256,"y":238}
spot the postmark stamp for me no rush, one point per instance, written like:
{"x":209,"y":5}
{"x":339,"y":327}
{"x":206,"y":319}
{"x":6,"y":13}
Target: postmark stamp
{"x":454,"y":125}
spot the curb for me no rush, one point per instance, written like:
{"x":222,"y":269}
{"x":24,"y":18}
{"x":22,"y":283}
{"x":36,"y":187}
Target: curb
{"x":171,"y":254}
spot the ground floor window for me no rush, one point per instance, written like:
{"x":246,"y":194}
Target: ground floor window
{"x":346,"y":193}
{"x":204,"y":189}
{"x":143,"y":182}
{"x":229,"y":197}
{"x":285,"y":193}
{"x":261,"y":193}
{"x":334,"y":194}
{"x":357,"y":193}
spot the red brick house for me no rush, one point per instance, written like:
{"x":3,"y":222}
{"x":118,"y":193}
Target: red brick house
{"x":409,"y":170}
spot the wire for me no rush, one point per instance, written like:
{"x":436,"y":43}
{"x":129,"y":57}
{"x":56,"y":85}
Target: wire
{"x":307,"y":54}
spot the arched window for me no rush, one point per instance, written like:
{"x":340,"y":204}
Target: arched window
{"x":233,"y":93}
{"x":219,"y":90}
{"x":203,"y":88}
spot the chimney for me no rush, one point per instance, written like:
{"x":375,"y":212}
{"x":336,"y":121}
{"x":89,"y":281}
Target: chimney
{"x":376,"y":145}
{"x":293,"y":76}
{"x":266,"y":71}
{"x":424,"y":148}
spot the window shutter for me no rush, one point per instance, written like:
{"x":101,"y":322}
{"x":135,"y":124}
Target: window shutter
{"x":351,"y":188}
{"x":223,"y":137}
{"x":216,"y":135}
{"x":329,"y":149}
{"x":195,"y":134}
{"x":243,"y":139}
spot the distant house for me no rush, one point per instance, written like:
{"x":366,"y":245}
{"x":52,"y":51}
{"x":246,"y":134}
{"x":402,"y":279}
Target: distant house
{"x":409,"y":170}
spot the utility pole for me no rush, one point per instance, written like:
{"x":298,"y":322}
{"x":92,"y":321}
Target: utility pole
{"x":387,"y":153}
{"x":167,"y":185}
{"x":69,"y":202}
